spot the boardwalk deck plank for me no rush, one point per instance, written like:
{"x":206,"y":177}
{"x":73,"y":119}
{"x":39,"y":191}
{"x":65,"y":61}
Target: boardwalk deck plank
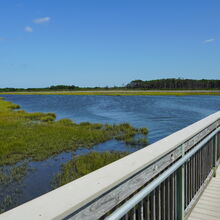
{"x":208,"y":206}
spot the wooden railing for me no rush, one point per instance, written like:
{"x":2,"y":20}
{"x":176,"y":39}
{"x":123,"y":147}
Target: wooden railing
{"x":174,"y":192}
{"x":162,"y":181}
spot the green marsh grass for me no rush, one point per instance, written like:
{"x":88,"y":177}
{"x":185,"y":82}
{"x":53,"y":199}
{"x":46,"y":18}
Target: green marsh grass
{"x":81,"y":165}
{"x":37,"y":136}
{"x":11,"y":176}
{"x":123,"y":93}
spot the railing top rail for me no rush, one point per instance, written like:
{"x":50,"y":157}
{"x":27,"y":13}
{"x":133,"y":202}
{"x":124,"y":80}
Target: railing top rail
{"x":67,"y":199}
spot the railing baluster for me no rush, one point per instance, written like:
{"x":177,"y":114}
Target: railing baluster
{"x":191,"y":179}
{"x":148,"y":208}
{"x":163,"y":202}
{"x":185,"y":184}
{"x":138,"y":212}
{"x":180,"y":190}
{"x":172,"y":200}
{"x":202,"y":165}
{"x":142,"y":210}
{"x":206,"y":158}
{"x":189,"y":183}
{"x":215,"y":140}
{"x":217,"y":148}
{"x":134,"y":213}
{"x":127,"y":216}
{"x":152,"y":206}
{"x":193,"y":184}
{"x":200,"y":168}
{"x":158,"y":203}
{"x":194,"y":175}
{"x":187,"y":179}
{"x":167,"y":199}
{"x":175,"y":195}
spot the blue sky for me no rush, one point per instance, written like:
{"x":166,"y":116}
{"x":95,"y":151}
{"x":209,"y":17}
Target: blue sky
{"x":107,"y":42}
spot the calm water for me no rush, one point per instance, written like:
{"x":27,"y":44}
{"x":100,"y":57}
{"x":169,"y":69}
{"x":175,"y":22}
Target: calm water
{"x":162,"y":115}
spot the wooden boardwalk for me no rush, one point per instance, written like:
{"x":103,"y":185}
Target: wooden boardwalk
{"x":208,"y":206}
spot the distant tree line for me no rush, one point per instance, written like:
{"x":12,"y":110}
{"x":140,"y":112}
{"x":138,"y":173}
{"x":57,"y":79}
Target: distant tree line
{"x":173,"y":83}
{"x":51,"y":88}
{"x":59,"y":88}
{"x":169,"y":84}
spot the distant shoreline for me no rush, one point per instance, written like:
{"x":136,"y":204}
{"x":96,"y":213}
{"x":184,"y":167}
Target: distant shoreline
{"x":120,"y":92}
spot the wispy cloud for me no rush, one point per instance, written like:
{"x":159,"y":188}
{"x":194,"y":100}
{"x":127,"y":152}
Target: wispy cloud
{"x":209,"y":40}
{"x":28,"y":29}
{"x":41,"y":20}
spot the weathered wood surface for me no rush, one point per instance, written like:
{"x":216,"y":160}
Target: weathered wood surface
{"x":191,"y":142}
{"x":208,"y":206}
{"x":106,"y":202}
{"x":109,"y":200}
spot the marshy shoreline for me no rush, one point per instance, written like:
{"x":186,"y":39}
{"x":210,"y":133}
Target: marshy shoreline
{"x":35,"y":137}
{"x":119,"y":92}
